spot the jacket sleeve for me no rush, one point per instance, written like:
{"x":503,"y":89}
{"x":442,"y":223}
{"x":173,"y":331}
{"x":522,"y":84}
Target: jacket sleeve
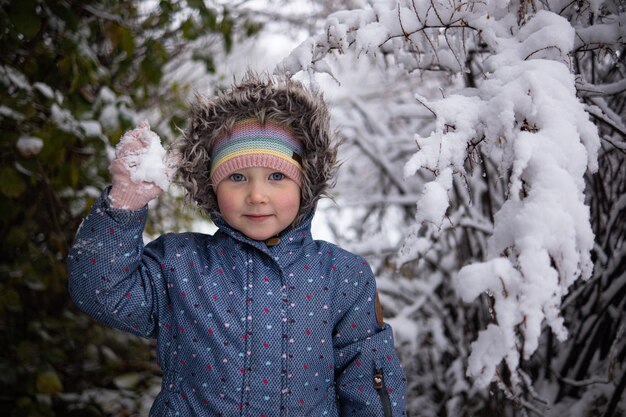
{"x":112,"y":277}
{"x":369,"y":379}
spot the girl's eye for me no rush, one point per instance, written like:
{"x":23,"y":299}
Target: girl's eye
{"x":277,"y":176}
{"x":237,"y":177}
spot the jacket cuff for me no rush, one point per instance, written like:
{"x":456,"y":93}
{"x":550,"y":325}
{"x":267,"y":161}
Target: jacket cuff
{"x":125,"y":200}
{"x":124,"y":214}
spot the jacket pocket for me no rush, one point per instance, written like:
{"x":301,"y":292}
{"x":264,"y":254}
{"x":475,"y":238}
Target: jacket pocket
{"x":381,"y":388}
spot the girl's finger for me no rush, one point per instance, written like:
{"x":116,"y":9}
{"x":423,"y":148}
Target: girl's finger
{"x":143,"y":125}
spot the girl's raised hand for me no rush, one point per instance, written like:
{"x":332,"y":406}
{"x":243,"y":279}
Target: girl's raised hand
{"x":141,"y":170}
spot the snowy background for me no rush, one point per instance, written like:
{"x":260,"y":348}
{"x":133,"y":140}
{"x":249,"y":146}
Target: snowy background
{"x":482,"y":177}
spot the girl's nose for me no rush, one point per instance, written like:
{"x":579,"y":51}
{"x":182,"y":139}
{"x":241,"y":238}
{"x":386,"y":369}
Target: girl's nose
{"x":256,"y":194}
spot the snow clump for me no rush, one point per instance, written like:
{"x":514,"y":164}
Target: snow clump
{"x":148,"y":163}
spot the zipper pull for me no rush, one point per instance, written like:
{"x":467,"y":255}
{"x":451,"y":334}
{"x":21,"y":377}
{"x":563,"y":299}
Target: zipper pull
{"x":378,"y":379}
{"x":385,"y":401}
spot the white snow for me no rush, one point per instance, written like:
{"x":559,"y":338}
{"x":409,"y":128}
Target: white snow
{"x":434,"y":201}
{"x":106,"y":95}
{"x":64,"y":120}
{"x":109,"y":117}
{"x":91,"y":127}
{"x":148,"y":164}
{"x":44,"y":89}
{"x":524,"y":116}
{"x":8,"y":112}
{"x":29,"y":145}
{"x":12,"y":76}
{"x":371,"y":36}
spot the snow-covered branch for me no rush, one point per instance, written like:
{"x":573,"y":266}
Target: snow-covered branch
{"x":501,"y":170}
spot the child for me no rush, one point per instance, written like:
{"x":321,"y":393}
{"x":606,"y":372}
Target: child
{"x":259,"y":319}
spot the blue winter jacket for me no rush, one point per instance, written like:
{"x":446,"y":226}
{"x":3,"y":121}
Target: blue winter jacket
{"x":242,"y":328}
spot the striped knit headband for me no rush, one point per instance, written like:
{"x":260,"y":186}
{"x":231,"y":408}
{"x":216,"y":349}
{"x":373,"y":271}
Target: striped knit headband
{"x":252,"y":144}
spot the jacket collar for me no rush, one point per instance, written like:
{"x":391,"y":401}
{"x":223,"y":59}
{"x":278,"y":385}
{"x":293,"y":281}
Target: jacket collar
{"x":288,"y":240}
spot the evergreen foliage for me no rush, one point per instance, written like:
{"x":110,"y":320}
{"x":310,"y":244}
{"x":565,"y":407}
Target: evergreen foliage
{"x":73,"y":75}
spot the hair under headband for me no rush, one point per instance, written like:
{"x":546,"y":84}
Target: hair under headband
{"x":253,"y":144}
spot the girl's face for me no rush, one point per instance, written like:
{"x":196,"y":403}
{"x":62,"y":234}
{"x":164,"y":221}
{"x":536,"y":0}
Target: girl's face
{"x":259,"y":202}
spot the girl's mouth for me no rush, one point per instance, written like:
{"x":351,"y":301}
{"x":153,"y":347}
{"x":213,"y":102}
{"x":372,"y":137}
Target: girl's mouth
{"x":257,"y":217}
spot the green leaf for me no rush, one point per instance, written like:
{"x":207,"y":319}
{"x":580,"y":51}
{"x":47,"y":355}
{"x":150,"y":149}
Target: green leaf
{"x":127,"y":41}
{"x":74,"y":175}
{"x":28,"y":407}
{"x":65,"y":65}
{"x":8,"y":372}
{"x":196,"y":4}
{"x":63,"y":11}
{"x":190,"y":31}
{"x":128,"y":380}
{"x":209,"y":63}
{"x":252,"y":28}
{"x":226,"y":28}
{"x":10,"y":299}
{"x":25,"y":18}
{"x":77,"y":82}
{"x":151,"y":71}
{"x":27,"y":352}
{"x":209,"y":19}
{"x":152,"y":65}
{"x":166,"y":8}
{"x":48,"y":382}
{"x":11,"y":183}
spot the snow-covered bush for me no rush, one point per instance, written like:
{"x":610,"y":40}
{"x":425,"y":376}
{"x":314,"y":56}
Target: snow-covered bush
{"x":498,"y":175}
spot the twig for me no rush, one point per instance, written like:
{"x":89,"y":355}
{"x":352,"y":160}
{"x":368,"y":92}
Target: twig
{"x":424,"y":104}
{"x":584,"y":382}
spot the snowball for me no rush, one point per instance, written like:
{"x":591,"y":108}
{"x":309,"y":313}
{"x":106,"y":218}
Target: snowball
{"x":149,"y":163}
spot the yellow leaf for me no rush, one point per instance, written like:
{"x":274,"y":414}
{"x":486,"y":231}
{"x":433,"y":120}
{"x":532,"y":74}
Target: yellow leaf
{"x":48,"y":382}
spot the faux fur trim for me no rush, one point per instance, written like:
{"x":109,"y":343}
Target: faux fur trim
{"x":265,"y":98}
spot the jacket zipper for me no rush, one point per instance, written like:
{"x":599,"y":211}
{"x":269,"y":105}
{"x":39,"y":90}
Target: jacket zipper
{"x":379,"y":385}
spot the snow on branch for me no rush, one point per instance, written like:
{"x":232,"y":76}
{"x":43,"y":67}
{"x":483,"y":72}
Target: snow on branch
{"x":526,"y":117}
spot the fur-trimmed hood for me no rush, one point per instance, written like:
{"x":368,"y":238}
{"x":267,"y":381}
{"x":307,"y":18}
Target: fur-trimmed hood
{"x":265,"y":98}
